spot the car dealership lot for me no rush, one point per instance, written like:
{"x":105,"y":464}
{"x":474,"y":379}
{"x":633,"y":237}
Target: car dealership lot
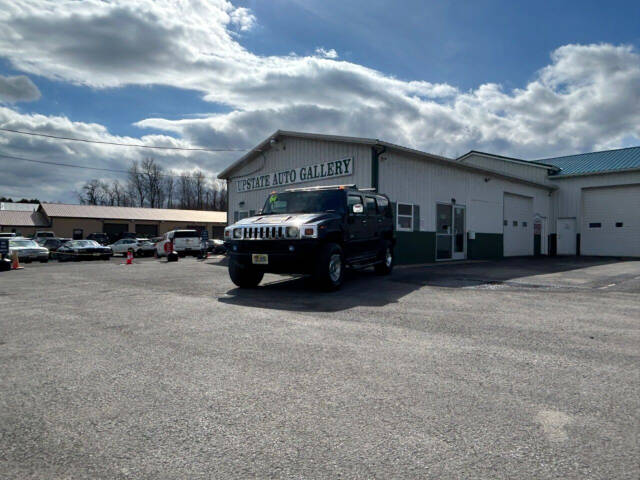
{"x":522,"y":368}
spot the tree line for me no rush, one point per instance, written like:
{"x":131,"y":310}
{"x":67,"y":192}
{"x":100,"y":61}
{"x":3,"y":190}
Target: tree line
{"x":149,"y":185}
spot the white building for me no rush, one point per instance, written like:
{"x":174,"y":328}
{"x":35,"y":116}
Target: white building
{"x":478,"y":206}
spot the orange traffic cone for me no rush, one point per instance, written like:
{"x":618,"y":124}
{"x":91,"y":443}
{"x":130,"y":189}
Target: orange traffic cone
{"x":15,"y":264}
{"x":129,"y":257}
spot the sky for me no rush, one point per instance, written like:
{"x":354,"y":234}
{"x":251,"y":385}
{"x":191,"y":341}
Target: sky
{"x":530,"y":80}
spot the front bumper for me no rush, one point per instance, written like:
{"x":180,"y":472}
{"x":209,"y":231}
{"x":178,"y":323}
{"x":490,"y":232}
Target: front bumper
{"x":285,"y":256}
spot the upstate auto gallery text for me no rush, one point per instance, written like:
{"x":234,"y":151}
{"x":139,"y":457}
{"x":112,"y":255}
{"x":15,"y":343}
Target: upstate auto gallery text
{"x":337,"y":168}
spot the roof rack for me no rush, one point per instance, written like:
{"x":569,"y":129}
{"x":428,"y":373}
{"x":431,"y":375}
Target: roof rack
{"x":321,"y":187}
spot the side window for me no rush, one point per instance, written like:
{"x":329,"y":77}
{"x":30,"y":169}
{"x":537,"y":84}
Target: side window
{"x":383,"y":207}
{"x":405,"y":217}
{"x":354,"y":200}
{"x":371,"y":206}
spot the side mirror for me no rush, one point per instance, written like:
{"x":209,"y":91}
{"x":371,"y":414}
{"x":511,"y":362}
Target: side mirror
{"x":259,"y":212}
{"x":358,"y":208}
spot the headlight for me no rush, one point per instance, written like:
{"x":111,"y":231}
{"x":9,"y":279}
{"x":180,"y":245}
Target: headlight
{"x":292,"y":232}
{"x":237,"y":233}
{"x":309,"y":231}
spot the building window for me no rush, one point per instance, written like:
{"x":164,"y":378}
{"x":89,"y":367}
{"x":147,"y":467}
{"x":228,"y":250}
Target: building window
{"x":524,"y":224}
{"x":405,"y":217}
{"x":242,"y":214}
{"x":619,"y":224}
{"x":515,"y":223}
{"x":595,"y":225}
{"x":505,"y":222}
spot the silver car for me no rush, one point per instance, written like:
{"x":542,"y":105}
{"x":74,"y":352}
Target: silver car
{"x":28,"y":250}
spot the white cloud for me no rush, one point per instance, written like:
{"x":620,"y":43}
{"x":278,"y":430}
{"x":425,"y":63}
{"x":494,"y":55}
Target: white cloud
{"x":323,"y":52}
{"x":587,"y":97}
{"x":18,"y":89}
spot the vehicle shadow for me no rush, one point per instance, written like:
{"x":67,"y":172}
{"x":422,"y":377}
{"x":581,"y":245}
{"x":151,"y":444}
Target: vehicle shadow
{"x":365,"y":288}
{"x":360,"y":288}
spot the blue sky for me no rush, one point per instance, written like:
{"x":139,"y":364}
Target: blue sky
{"x":531,"y":79}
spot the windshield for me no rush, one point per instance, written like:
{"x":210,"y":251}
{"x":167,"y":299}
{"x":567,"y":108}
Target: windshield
{"x":305,"y":202}
{"x":23,"y":243}
{"x":83,"y":243}
{"x":185,"y":234}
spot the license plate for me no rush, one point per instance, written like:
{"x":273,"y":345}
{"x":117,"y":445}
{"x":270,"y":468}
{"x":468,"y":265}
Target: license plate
{"x":260,"y":259}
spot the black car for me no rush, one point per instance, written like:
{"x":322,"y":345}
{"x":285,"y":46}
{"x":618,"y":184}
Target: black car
{"x":319,"y":231}
{"x":53,"y":244}
{"x":101,"y":238}
{"x":83,"y":250}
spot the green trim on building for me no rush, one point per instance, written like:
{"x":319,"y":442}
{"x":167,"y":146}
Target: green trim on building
{"x":415,"y":247}
{"x":485,"y":246}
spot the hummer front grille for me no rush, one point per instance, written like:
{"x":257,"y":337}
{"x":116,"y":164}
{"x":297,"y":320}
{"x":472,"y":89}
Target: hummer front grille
{"x":263,"y":233}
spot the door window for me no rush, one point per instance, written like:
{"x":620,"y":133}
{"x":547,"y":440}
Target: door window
{"x":354,"y":200}
{"x":371,"y":206}
{"x":383,"y":207}
{"x":443,"y":213}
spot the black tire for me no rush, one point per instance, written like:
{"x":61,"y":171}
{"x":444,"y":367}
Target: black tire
{"x":243,"y":276}
{"x":44,"y":261}
{"x":387,"y":259}
{"x":329,"y":271}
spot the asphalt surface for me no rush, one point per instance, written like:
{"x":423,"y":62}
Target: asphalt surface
{"x":510,"y":369}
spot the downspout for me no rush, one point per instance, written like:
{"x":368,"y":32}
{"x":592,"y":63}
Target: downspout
{"x":376,"y":151}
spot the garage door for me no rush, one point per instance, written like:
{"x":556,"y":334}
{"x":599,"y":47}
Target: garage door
{"x":611,"y":221}
{"x":518,"y":225}
{"x":115,"y":230}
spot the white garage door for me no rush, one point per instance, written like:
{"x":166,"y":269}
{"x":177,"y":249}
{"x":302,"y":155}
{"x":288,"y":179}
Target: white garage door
{"x":518,"y":225}
{"x":611,"y":221}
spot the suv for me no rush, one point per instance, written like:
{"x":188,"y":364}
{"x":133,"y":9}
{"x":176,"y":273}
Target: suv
{"x":40,"y":235}
{"x":184,"y":242}
{"x":318,"y":231}
{"x":101,"y":238}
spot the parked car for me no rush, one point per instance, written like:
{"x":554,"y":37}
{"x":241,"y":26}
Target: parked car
{"x":28,"y":250}
{"x":139,"y":246}
{"x":318,"y":230}
{"x":216,"y":246}
{"x":7,"y":234}
{"x":185,"y":242}
{"x":39,"y":235}
{"x":83,"y":250}
{"x":53,"y":244}
{"x":101,"y":238}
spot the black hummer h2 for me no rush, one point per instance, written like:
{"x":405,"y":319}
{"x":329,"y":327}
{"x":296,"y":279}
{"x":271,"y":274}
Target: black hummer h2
{"x":318,"y":231}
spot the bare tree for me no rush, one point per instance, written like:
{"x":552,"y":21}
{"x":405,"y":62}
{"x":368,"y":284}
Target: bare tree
{"x":136,"y":184}
{"x":151,"y":174}
{"x":168,"y":184}
{"x":94,"y":192}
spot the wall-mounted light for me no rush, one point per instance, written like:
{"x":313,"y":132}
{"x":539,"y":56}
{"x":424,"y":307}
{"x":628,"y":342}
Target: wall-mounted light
{"x":486,"y":179}
{"x":453,"y":200}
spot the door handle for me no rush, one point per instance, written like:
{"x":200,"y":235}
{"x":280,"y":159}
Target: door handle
{"x":364,"y":222}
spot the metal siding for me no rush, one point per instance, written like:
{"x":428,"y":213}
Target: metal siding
{"x":411,"y":180}
{"x":531,"y":173}
{"x":567,"y":198}
{"x":299,"y":152}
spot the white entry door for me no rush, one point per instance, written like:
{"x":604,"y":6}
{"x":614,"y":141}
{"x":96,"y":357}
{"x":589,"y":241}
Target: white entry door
{"x":566,"y":235}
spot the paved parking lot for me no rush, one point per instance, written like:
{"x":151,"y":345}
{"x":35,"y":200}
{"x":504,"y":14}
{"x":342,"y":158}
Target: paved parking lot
{"x":511,"y":369}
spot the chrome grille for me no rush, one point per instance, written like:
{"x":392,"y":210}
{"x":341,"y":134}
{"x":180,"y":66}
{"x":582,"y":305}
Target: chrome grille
{"x":263,"y":233}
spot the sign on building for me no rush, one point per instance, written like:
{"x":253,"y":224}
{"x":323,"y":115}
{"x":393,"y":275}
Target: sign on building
{"x":309,"y":173}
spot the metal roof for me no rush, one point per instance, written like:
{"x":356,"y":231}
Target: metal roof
{"x":132,"y":213}
{"x":17,"y":218}
{"x":596,"y":162}
{"x":538,"y":164}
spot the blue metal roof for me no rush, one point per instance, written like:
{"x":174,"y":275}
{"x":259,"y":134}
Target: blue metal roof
{"x":595,"y":162}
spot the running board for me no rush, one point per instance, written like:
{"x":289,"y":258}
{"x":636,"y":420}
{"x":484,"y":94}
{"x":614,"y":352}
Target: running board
{"x":359,"y":266}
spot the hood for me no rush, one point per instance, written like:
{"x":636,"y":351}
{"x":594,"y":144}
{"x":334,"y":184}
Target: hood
{"x":285,"y":219}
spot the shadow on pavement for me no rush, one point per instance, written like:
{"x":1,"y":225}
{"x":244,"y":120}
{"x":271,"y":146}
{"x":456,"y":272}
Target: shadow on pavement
{"x":364,"y":288}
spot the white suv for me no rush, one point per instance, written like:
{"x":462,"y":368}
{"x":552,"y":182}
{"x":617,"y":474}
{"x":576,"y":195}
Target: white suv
{"x":185,"y":242}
